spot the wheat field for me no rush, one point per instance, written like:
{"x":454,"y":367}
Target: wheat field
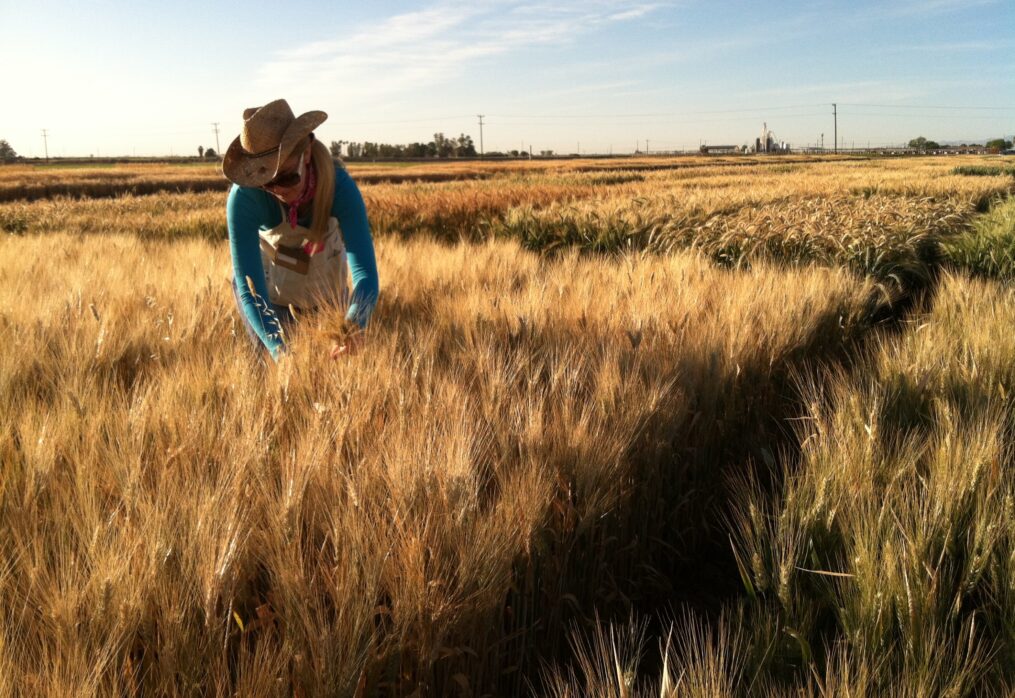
{"x":661,"y":427}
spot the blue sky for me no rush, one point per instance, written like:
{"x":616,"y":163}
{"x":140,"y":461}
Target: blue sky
{"x":112,"y":77}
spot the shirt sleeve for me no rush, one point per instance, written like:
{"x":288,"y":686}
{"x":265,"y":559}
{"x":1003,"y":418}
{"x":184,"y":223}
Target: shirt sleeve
{"x":242,"y":215}
{"x":351,"y":213}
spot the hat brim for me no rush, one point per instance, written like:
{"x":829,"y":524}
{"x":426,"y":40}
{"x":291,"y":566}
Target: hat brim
{"x":241,"y":168}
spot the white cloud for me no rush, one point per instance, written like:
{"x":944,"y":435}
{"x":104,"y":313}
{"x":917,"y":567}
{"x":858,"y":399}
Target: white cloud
{"x":424,"y":48}
{"x":633,"y":13}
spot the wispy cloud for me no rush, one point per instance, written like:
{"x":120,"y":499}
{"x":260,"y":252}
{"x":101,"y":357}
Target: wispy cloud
{"x":633,"y":13}
{"x":927,"y":8}
{"x":899,"y":91}
{"x":427,"y":47}
{"x":949,"y":47}
{"x":848,"y":91}
{"x":611,"y":88}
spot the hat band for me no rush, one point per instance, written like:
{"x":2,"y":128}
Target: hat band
{"x":269,"y":151}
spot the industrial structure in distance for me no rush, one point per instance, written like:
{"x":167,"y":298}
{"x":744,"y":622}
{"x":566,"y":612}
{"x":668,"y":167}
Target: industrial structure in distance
{"x":765,"y":143}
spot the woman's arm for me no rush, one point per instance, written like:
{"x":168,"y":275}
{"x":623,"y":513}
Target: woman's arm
{"x":359,"y":245}
{"x":245,"y":248}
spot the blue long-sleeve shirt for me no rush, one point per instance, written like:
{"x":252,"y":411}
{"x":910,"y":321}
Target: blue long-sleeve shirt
{"x":250,"y":210}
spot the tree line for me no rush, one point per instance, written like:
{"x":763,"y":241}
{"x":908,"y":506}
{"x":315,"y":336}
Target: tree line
{"x":440,"y":147}
{"x":995,"y":145}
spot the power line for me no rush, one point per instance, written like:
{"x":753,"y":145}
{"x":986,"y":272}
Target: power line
{"x":751,"y":110}
{"x":915,"y":115}
{"x":424,"y":120}
{"x":188,"y":132}
{"x":925,"y":106}
{"x":656,"y":114}
{"x":667,"y":121}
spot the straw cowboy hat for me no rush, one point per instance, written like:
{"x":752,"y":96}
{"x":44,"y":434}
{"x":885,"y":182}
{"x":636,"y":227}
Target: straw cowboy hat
{"x":269,"y":135}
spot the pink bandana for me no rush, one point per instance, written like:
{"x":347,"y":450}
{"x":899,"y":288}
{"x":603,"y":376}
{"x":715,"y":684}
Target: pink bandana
{"x":307,"y":195}
{"x":310,"y":248}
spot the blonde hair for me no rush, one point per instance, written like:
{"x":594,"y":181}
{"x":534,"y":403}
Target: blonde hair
{"x":324,"y":169}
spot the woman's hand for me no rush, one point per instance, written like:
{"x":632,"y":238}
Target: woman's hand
{"x":348,"y":345}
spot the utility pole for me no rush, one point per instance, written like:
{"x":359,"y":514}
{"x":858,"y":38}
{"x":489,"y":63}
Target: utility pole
{"x":647,"y":151}
{"x":822,"y":141}
{"x":480,"y":135}
{"x":835,"y":118}
{"x":218,"y":151}
{"x":45,"y":144}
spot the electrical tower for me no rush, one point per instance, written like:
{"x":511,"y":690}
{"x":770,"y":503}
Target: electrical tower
{"x":480,"y":134}
{"x":45,"y":144}
{"x":218,"y":151}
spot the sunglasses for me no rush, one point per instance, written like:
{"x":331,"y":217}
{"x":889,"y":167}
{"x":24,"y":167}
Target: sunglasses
{"x":285,"y":180}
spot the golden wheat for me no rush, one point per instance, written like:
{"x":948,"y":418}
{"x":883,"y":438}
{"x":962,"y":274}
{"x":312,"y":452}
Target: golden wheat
{"x":176,"y":516}
{"x":525,"y":440}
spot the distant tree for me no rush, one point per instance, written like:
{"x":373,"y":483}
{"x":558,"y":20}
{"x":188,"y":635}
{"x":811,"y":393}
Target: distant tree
{"x":998,"y":144}
{"x":210,"y":153}
{"x":7,"y":153}
{"x":444,"y":147}
{"x":464,"y":147}
{"x":416,"y":150}
{"x":200,"y":151}
{"x":922,"y":143}
{"x":336,"y":148}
